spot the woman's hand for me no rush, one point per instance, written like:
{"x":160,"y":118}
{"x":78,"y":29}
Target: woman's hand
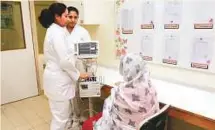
{"x":84,"y":76}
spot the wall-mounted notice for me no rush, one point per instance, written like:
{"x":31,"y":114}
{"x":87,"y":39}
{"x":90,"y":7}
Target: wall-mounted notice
{"x":204,"y":19}
{"x":147,"y":40}
{"x":172,"y":14}
{"x":147,"y":11}
{"x":202,"y":51}
{"x":127,"y":21}
{"x":171,"y":50}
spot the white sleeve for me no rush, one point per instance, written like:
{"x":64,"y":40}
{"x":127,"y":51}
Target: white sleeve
{"x":67,"y":61}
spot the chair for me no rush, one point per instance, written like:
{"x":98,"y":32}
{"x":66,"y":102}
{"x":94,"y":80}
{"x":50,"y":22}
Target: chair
{"x":157,"y":121}
{"x":88,"y":124}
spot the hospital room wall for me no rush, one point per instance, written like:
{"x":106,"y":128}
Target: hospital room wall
{"x":104,"y":33}
{"x":175,"y":74}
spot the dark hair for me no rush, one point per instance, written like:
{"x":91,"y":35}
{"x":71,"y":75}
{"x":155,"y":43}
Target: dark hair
{"x":47,"y":16}
{"x":71,"y":8}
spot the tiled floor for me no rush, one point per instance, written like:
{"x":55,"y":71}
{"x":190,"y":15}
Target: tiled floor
{"x":29,"y":114}
{"x":34,"y":113}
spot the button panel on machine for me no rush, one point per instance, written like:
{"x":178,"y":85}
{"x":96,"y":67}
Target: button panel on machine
{"x":89,"y":87}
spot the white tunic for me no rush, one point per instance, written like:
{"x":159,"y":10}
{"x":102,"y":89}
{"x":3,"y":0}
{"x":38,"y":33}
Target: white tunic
{"x":78,"y":34}
{"x":60,"y":74}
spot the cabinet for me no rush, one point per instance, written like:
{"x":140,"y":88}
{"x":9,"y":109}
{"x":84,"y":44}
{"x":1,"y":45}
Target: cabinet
{"x":91,"y":12}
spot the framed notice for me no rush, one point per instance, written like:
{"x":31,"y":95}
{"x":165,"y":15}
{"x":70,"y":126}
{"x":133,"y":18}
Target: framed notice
{"x":202,"y":51}
{"x":127,"y":21}
{"x":172,"y":14}
{"x":171,"y":50}
{"x":147,"y":12}
{"x":204,"y":19}
{"x":147,"y":40}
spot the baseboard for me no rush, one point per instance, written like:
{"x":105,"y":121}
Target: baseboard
{"x":41,"y":92}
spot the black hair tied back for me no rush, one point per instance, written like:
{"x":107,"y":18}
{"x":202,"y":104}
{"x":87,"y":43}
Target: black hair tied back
{"x":46,"y":18}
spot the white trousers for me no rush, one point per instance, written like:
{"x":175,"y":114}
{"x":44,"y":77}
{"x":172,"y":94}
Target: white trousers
{"x":63,"y":112}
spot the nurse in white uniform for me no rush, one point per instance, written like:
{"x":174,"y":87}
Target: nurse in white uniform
{"x":76,"y":33}
{"x":60,"y":75}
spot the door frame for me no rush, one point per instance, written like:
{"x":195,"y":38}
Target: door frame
{"x":35,"y":46}
{"x":38,"y":65}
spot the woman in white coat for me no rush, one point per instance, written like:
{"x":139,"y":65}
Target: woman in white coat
{"x":76,"y":33}
{"x":60,"y":75}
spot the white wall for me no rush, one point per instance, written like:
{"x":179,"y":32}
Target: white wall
{"x":182,"y":73}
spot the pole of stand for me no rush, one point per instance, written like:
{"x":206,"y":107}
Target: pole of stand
{"x":90,"y":107}
{"x":90,"y":98}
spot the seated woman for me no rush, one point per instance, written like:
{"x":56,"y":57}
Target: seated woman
{"x":133,"y":100}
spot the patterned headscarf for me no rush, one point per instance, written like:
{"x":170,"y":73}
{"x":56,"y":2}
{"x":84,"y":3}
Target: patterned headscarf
{"x":132,"y":67}
{"x":135,"y":98}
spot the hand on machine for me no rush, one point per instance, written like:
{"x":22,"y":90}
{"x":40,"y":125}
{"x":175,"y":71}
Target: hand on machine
{"x":84,"y":76}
